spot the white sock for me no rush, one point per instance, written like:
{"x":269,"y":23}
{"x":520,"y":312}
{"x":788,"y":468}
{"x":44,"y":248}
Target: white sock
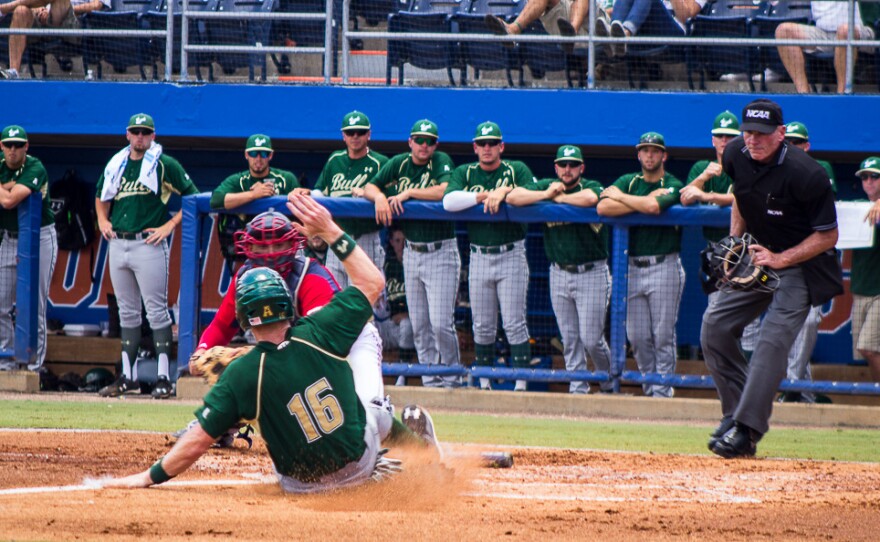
{"x":520,"y":385}
{"x":163,"y":365}
{"x":485,"y":384}
{"x":126,"y":367}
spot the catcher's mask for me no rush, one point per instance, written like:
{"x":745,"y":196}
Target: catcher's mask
{"x":732,"y":266}
{"x":262,"y":297}
{"x":270,"y":240}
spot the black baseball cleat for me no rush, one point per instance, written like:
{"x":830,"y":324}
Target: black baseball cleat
{"x":739,"y":441}
{"x":121,"y":386}
{"x":163,"y":389}
{"x":723,"y":427}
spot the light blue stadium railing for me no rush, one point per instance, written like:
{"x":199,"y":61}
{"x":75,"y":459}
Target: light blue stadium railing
{"x":195,"y":207}
{"x":27,"y":285}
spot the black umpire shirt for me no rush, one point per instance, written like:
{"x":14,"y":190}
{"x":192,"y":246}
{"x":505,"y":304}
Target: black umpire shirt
{"x":783,"y":202}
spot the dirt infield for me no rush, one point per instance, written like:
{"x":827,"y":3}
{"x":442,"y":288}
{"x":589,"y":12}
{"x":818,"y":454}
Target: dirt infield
{"x":48,"y":492}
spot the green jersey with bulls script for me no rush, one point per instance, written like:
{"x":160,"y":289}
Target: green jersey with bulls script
{"x":284,"y":181}
{"x":719,"y":184}
{"x":865,"y":263}
{"x":472,"y":178}
{"x":653,"y":240}
{"x":395,"y":287}
{"x":340,"y":175}
{"x":574,"y":243}
{"x":136,"y":207}
{"x":301,"y":392}
{"x":399,"y":174}
{"x":33,"y":175}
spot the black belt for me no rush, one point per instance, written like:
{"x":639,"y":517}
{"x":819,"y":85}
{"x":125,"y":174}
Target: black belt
{"x":581,"y":268}
{"x":493,"y":250}
{"x":132,"y":235}
{"x":12,"y":234}
{"x":425,"y":247}
{"x":648,"y":260}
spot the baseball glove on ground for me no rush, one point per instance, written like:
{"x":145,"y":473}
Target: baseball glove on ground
{"x":213,"y":361}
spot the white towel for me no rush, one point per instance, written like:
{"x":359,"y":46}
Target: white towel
{"x":116,"y":166}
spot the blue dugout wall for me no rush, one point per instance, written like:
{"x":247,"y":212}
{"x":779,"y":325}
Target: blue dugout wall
{"x":78,"y":117}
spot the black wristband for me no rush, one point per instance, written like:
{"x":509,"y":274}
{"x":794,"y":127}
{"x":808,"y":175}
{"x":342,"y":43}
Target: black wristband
{"x":343,"y":246}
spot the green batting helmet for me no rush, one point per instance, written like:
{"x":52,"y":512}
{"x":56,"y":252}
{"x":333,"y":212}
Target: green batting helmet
{"x":262,"y":297}
{"x":96,"y":379}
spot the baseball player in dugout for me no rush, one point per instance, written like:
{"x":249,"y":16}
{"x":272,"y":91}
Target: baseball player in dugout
{"x":345,"y":175}
{"x":259,"y":181}
{"x":132,"y":210}
{"x":319,"y":434}
{"x":580,"y":284}
{"x":499,"y":272}
{"x":431,"y":262}
{"x":656,"y":276}
{"x":865,"y":280}
{"x":20,"y":176}
{"x":783,"y":199}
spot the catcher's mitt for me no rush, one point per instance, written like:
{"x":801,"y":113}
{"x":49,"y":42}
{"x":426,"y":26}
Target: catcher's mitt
{"x":731,"y":264}
{"x":213,"y":361}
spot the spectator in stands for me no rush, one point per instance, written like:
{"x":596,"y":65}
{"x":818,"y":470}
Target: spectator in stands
{"x":431,"y":260}
{"x":345,"y":175}
{"x":258,"y":181}
{"x":831,"y":20}
{"x":390,"y":311}
{"x":499,"y":272}
{"x":580,"y":284}
{"x":865,"y":280}
{"x":648,"y":17}
{"x":799,"y":357}
{"x":42,"y":14}
{"x":20,"y":176}
{"x":559,"y":17}
{"x":656,"y":277}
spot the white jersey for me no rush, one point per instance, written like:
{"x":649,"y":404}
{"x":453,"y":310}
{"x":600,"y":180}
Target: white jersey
{"x":830,"y":15}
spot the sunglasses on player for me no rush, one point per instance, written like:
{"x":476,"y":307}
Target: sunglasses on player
{"x":14,"y":144}
{"x":360,"y":133}
{"x":261,"y":154}
{"x":871,"y":176}
{"x":429,"y":141}
{"x":139,"y":131}
{"x":488,"y":143}
{"x":568,"y":164}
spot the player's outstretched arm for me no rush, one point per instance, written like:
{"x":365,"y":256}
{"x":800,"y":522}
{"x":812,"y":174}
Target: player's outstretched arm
{"x":185,"y":452}
{"x":315,"y":219}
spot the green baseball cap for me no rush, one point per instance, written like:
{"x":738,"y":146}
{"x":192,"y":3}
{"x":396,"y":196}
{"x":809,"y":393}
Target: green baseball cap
{"x":726,"y":124}
{"x":141,"y":120}
{"x":259,"y":142}
{"x":424,"y":127}
{"x":487,"y":130}
{"x":652,"y":139}
{"x":355,"y":121}
{"x":796,"y":130}
{"x":569,"y":153}
{"x":13,"y":132}
{"x":870,"y":164}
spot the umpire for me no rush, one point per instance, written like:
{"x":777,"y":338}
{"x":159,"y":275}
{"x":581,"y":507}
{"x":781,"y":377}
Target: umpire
{"x":783,"y":198}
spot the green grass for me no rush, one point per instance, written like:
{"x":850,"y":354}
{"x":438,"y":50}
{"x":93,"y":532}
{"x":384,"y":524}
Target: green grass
{"x":827,"y":444}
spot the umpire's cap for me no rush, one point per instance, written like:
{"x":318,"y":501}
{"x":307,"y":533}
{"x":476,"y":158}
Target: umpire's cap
{"x":13,"y":132}
{"x":141,"y":120}
{"x":763,"y":116}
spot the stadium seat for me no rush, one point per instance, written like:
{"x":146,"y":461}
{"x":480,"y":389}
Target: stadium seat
{"x":305,"y":33}
{"x":724,"y":19}
{"x":197,"y":35}
{"x":485,"y":55}
{"x":119,"y":52}
{"x":242,"y":32}
{"x":549,"y":57}
{"x":429,"y":16}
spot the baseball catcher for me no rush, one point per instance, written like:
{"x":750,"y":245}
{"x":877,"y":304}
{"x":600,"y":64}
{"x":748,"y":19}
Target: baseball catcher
{"x":729,"y":263}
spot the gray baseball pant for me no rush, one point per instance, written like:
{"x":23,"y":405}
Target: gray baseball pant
{"x":580,"y":302}
{"x":139,"y":271}
{"x":653,"y":299}
{"x":431,"y":290}
{"x":369,"y":243}
{"x":499,"y":279}
{"x":747,"y":389}
{"x":802,"y":350}
{"x":9,"y":280}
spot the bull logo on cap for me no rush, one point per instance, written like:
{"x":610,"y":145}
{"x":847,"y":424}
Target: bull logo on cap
{"x":486,"y":130}
{"x":353,"y":120}
{"x":13,"y":132}
{"x":568,"y":152}
{"x":424,"y":126}
{"x":259,"y":141}
{"x":140,"y":120}
{"x":726,"y":122}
